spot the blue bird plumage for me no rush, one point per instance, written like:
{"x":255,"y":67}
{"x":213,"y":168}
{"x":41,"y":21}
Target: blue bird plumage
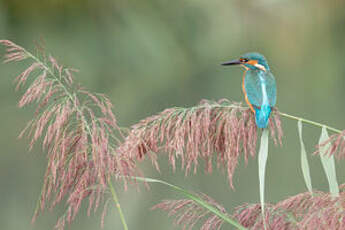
{"x":262,"y":115}
{"x":259,"y":86}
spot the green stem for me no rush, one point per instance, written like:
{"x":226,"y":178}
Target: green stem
{"x":195,"y":199}
{"x":310,"y":122}
{"x":118,"y":206}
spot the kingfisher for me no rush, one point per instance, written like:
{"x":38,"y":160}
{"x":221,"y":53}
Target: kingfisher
{"x":258,"y":85}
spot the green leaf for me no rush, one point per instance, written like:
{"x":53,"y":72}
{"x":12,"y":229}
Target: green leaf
{"x":304,"y":159}
{"x":328,"y":164}
{"x":196,"y":199}
{"x":262,"y":159}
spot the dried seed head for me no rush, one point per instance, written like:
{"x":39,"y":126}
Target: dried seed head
{"x":303,"y":211}
{"x":14,"y":53}
{"x":212,"y":130}
{"x":336,"y":147}
{"x":78,"y":130}
{"x":187,"y":213}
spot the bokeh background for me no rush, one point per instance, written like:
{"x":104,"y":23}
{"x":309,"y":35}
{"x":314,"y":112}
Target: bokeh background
{"x":150,"y":55}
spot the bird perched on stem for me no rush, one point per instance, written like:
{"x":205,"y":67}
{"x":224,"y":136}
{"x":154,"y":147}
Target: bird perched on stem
{"x":259,"y":86}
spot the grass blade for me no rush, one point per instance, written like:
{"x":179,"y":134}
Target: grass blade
{"x":328,"y":164}
{"x":262,"y":159}
{"x":304,"y":159}
{"x":195,"y":198}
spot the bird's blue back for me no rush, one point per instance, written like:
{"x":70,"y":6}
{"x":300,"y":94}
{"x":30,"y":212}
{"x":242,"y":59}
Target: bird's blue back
{"x":260,"y":87}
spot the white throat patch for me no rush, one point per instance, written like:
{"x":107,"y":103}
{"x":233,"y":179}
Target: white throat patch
{"x":257,"y":65}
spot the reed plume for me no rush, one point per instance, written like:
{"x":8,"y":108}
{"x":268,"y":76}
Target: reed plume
{"x":319,"y":210}
{"x":222,"y":130}
{"x":78,"y":130}
{"x":187,"y":213}
{"x":336,"y":143}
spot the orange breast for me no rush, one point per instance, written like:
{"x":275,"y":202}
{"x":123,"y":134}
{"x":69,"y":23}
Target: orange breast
{"x":245,"y":93}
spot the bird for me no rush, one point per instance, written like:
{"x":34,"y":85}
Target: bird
{"x":258,"y":85}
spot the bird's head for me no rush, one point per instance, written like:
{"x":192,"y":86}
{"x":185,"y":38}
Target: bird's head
{"x":254,"y":61}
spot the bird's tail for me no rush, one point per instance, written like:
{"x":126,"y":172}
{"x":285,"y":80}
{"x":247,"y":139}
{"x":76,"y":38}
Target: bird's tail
{"x":262,"y":115}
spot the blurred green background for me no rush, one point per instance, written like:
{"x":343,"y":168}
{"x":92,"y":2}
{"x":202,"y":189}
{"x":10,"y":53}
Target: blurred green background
{"x":150,"y":55}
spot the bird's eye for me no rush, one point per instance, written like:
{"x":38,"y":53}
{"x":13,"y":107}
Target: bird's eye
{"x":244,"y":59}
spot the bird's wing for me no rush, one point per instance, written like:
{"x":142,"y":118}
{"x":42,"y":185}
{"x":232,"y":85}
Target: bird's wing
{"x":271,"y":88}
{"x":252,"y":87}
{"x":253,"y":84}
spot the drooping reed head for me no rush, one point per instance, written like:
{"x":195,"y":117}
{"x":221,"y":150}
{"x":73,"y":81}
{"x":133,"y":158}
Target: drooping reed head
{"x":214,"y":132}
{"x":187,"y":212}
{"x":77,"y":130}
{"x":336,"y":144}
{"x":319,"y":210}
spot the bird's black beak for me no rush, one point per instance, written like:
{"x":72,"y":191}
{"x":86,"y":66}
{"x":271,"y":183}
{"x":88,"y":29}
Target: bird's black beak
{"x":233,"y":62}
